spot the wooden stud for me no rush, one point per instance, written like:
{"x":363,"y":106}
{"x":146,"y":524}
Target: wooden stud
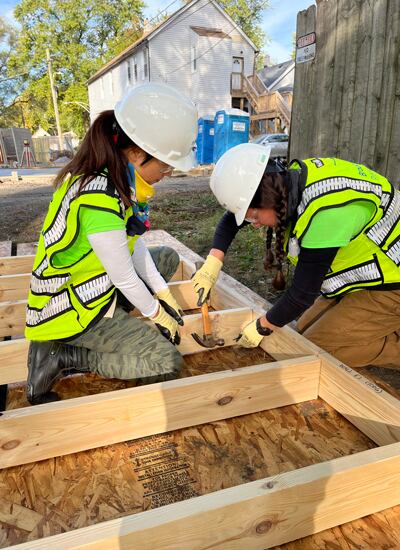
{"x":257,"y":515}
{"x":14,"y":265}
{"x":372,"y":410}
{"x":64,"y":427}
{"x":14,"y":287}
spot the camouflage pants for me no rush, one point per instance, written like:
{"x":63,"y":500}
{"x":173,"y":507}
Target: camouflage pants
{"x":125,"y":347}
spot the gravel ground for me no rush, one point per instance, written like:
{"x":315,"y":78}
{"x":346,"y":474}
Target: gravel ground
{"x":23,"y":203}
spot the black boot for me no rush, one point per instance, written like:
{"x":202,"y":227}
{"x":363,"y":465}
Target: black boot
{"x":47,"y":363}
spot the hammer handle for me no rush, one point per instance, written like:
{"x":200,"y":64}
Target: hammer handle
{"x":206,"y":319}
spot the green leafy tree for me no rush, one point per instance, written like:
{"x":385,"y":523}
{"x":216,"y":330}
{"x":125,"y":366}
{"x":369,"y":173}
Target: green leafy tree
{"x":248,"y":15}
{"x":81,"y":35}
{"x":10,"y":85}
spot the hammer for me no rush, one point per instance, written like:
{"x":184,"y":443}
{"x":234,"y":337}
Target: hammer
{"x":208,"y":340}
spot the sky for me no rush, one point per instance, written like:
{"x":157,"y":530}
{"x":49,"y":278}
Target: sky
{"x":279,"y":21}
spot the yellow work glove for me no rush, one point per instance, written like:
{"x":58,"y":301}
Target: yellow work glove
{"x":170,"y":305}
{"x":252,"y":334}
{"x":206,"y":277}
{"x":167,"y":326}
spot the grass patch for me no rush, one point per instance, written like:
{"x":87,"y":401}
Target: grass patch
{"x":191,"y":217}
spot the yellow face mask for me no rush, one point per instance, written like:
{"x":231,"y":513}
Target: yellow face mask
{"x":144,"y":191}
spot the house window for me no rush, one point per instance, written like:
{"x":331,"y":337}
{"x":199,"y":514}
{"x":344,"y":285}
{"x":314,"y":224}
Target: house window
{"x":135,"y":70}
{"x":193,"y":58}
{"x":145,"y":65}
{"x":129,"y":72}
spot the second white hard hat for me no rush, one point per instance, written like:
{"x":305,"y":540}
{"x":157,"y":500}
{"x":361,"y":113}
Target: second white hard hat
{"x":161,"y":121}
{"x":237,"y":175}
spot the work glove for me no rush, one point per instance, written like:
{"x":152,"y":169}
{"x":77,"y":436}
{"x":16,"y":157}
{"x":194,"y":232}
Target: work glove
{"x":252,"y":334}
{"x":206,"y":277}
{"x":167,"y":325}
{"x":170,"y":305}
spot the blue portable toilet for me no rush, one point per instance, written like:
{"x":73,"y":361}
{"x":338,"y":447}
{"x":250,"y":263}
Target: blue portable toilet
{"x":231,"y":127}
{"x":205,"y":140}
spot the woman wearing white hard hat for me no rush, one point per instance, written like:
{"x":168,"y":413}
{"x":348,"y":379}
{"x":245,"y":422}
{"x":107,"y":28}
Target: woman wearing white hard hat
{"x":92,"y":265}
{"x":339,"y":223}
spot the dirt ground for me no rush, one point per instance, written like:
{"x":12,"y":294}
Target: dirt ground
{"x":183,"y":206}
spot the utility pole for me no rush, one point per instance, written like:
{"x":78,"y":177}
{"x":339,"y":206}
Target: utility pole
{"x":54,"y":96}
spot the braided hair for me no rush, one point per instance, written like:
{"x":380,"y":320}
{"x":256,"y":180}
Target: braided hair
{"x":272,"y":193}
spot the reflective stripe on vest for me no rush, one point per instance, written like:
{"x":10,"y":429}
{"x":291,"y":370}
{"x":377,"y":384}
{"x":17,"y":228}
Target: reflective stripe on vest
{"x":372,"y":258}
{"x":360,"y":275}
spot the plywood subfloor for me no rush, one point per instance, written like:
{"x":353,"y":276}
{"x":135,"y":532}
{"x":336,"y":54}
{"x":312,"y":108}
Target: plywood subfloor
{"x":57,"y":495}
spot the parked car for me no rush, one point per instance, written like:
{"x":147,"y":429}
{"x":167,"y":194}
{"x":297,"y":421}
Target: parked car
{"x":278,"y":142}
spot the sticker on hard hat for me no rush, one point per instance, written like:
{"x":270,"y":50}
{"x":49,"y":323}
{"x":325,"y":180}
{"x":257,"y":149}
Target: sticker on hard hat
{"x":263,"y":159}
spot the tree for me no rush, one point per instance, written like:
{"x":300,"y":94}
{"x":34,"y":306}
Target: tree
{"x":82,"y":35}
{"x":10,"y":86}
{"x":248,"y":15}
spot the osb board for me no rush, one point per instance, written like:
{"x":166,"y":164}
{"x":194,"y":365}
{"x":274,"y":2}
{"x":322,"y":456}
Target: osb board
{"x":74,"y":491}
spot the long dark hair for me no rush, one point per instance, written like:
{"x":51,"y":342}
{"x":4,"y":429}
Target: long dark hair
{"x":101,"y":148}
{"x":272,"y":193}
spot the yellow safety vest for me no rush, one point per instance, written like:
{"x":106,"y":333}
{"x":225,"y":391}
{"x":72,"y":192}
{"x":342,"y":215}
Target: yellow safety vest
{"x":372,"y":258}
{"x":65,"y":300}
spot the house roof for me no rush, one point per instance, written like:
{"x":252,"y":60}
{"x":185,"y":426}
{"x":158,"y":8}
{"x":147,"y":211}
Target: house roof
{"x":158,"y":28}
{"x":272,"y":75}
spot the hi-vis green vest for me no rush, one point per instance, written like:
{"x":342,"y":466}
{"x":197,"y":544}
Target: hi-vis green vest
{"x":65,"y":300}
{"x":372,"y":258}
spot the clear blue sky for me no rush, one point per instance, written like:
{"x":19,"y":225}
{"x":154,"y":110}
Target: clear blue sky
{"x":279,"y":21}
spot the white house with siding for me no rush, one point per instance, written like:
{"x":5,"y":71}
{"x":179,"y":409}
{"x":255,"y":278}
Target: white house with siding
{"x":199,"y":50}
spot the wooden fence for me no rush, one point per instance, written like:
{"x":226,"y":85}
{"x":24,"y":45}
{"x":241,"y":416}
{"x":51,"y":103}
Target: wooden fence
{"x":347,"y":100}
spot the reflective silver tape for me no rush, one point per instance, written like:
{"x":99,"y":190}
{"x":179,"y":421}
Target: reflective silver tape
{"x":380,"y":230}
{"x":365,"y":273}
{"x":393,"y":253}
{"x":93,"y":289}
{"x":55,"y":232}
{"x":49,"y":285}
{"x":324,"y":187}
{"x":56,"y":305}
{"x":41,"y":267}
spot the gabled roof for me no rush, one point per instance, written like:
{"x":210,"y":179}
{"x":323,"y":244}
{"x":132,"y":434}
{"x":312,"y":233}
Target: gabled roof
{"x":159,"y":28}
{"x":272,"y":75}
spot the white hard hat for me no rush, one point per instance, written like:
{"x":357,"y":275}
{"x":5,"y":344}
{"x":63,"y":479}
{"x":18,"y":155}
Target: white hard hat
{"x":237,"y":175}
{"x":161,"y":121}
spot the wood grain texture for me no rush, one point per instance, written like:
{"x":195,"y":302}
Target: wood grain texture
{"x":257,"y":515}
{"x":14,"y":265}
{"x":54,"y":429}
{"x":363,"y":403}
{"x":346,"y":100}
{"x":101,"y":484}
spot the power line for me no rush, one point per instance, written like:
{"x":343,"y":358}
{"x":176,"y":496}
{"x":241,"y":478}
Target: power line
{"x":155,"y":17}
{"x":216,"y":44}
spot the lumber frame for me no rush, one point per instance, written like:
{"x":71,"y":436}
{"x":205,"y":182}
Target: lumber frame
{"x":257,"y":515}
{"x":73,"y":425}
{"x":226,"y":324}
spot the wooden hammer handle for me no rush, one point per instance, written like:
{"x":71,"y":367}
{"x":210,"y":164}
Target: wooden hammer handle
{"x":206,"y":319}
